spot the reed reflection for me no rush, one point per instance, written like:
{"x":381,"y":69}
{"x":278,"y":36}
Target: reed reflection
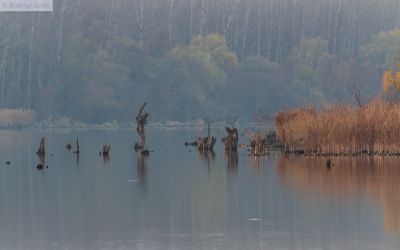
{"x":377,"y":178}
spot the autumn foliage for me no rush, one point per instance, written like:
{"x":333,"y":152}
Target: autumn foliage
{"x":391,"y":80}
{"x":341,"y":129}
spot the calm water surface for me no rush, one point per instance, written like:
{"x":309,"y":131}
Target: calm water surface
{"x":180,"y":199}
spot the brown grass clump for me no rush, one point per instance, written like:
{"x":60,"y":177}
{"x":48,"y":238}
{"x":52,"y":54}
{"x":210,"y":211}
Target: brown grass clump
{"x":16,"y":118}
{"x":341,"y":129}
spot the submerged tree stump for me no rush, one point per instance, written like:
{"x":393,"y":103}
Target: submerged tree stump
{"x":231,"y":140}
{"x":206,"y":143}
{"x":141,"y":120}
{"x":41,"y":150}
{"x":258,"y":145}
{"x":106,"y":149}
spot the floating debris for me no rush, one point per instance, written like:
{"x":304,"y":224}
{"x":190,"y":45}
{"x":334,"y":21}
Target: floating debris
{"x":255,"y":219}
{"x":194,"y":143}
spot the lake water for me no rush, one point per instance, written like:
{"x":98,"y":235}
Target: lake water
{"x":179,"y":199}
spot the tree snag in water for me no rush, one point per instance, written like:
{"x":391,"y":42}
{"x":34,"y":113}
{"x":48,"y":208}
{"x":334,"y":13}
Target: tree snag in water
{"x":231,"y":140}
{"x":141,"y":120}
{"x":77,"y":147}
{"x":106,"y":149}
{"x":41,"y":150}
{"x":258,"y":145}
{"x":206,"y":143}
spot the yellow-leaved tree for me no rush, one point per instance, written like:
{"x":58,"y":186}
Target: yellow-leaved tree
{"x":391,"y":79}
{"x":388,"y":80}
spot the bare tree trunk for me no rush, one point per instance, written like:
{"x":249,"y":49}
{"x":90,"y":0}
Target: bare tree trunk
{"x":191,"y":21}
{"x":259,"y":29}
{"x":2,"y":69}
{"x":29,"y":88}
{"x":141,"y":23}
{"x":203,"y":16}
{"x":271,"y":18}
{"x":278,"y":45}
{"x":246,"y":20}
{"x":60,"y":41}
{"x":171,"y":21}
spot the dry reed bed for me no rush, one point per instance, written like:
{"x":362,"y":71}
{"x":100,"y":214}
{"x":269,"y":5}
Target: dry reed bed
{"x":341,"y":129}
{"x":16,"y":118}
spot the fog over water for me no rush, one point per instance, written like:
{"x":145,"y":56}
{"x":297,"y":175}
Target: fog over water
{"x":178,"y":198}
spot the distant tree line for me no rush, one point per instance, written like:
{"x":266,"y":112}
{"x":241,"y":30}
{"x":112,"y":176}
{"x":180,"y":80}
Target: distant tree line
{"x":97,"y":60}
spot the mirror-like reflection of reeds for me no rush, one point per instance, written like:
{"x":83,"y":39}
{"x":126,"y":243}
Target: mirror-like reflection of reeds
{"x":378,"y":178}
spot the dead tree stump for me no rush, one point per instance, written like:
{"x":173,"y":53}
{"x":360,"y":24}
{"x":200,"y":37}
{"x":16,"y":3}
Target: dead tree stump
{"x":41,"y":150}
{"x":231,"y":140}
{"x":141,"y":120}
{"x":106,"y":149}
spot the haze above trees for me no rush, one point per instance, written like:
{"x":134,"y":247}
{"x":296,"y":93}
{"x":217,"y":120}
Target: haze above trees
{"x":99,"y":60}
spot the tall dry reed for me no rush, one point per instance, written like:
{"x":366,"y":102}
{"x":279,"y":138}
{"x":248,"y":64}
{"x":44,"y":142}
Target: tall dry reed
{"x":341,"y":129}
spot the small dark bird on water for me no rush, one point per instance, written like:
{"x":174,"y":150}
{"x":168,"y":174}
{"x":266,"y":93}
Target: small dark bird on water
{"x":329,"y":163}
{"x":8,"y":162}
{"x":68,"y":146}
{"x":39,"y":166}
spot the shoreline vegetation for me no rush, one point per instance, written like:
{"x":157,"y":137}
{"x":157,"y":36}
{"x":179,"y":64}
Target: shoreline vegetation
{"x":372,"y":129}
{"x":17,"y":118}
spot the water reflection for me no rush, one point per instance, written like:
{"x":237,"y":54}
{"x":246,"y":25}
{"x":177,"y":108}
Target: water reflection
{"x":142,"y":170}
{"x":232,"y":159}
{"x":106,"y":158}
{"x":207,"y":156}
{"x":377,"y":178}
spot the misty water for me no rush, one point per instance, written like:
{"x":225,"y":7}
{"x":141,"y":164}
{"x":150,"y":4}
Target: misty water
{"x":179,"y":199}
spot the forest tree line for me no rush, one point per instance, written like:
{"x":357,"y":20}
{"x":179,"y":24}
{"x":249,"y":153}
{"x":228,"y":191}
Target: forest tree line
{"x":98,"y":60}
